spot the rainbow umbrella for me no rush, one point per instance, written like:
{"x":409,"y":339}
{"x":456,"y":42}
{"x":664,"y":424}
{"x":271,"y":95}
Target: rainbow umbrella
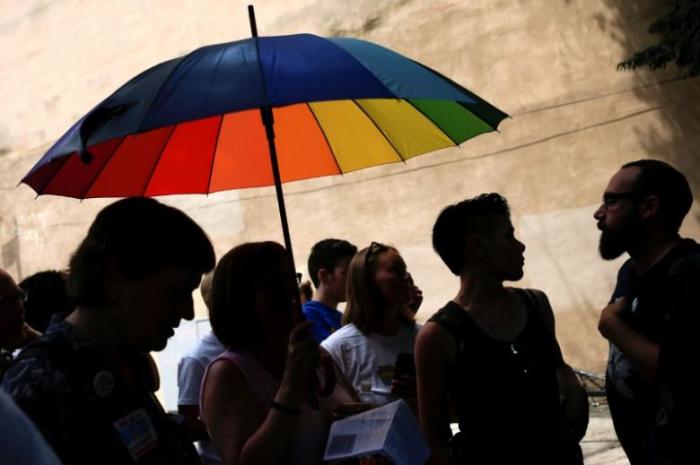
{"x":193,"y":124}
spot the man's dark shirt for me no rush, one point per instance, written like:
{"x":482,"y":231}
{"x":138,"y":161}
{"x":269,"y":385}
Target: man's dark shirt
{"x":86,"y":409}
{"x":652,"y":298}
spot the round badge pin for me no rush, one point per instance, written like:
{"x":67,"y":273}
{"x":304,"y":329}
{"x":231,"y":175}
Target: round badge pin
{"x":103,"y":383}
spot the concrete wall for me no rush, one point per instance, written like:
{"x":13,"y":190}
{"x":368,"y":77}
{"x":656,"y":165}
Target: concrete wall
{"x":551,"y":64}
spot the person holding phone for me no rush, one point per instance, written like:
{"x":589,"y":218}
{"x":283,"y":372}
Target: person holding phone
{"x":259,"y":398}
{"x":374,"y":350}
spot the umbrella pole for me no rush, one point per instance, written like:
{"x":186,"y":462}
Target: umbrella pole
{"x":269,"y":121}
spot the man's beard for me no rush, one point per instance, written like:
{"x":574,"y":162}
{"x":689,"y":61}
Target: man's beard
{"x":611,"y":245}
{"x":614,"y":243}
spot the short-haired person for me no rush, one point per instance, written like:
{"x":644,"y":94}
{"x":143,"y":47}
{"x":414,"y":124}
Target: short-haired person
{"x":379,"y":328}
{"x":258,"y":397}
{"x":652,"y":319}
{"x":47,"y":293}
{"x":328,"y":267}
{"x":15,"y":333}
{"x":492,"y":351}
{"x":87,"y":382}
{"x":190,"y":372}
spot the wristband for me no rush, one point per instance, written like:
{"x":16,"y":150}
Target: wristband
{"x":285,"y":409}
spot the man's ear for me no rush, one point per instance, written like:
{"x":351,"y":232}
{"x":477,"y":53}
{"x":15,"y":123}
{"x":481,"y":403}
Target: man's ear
{"x":323,"y":276}
{"x":112,"y":280}
{"x":649,"y":207}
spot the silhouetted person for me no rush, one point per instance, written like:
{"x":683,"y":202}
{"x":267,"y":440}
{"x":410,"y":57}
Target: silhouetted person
{"x":493,"y":352}
{"x":652,"y":318}
{"x":15,"y":333}
{"x":190,"y":372}
{"x":47,"y":293}
{"x":87,"y":383}
{"x":306,"y":291}
{"x":328,"y":267}
{"x":257,"y":398}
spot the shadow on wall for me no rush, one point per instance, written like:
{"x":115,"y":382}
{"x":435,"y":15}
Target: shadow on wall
{"x":680,"y":139}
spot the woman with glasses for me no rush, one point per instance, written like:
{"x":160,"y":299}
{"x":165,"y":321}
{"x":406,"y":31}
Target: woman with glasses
{"x":492,"y":352}
{"x":374,"y":350}
{"x":259,"y":399}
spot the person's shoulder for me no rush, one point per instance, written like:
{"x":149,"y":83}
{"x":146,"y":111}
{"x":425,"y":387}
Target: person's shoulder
{"x":339,"y":337}
{"x":33,"y":375}
{"x":450,"y":311}
{"x":310,"y":308}
{"x":314,"y":308}
{"x":687,"y":260}
{"x":626,"y":268}
{"x":538,"y":295}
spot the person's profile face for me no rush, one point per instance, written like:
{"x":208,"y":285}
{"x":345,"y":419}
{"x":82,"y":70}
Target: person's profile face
{"x":275,"y":293}
{"x":617,"y":217}
{"x":150,"y":308}
{"x":338,"y":280}
{"x":391,"y":278}
{"x":11,"y":311}
{"x":504,"y":251}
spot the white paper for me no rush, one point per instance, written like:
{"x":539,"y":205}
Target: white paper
{"x":390,"y":430}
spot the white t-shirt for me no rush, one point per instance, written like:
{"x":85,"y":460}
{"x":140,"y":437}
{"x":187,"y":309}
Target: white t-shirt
{"x":367,"y":361}
{"x":190,"y":372}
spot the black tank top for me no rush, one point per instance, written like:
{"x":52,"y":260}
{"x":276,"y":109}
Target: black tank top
{"x":505,"y":393}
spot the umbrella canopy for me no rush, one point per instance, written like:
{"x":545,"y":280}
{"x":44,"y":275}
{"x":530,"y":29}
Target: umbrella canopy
{"x":193,"y":124}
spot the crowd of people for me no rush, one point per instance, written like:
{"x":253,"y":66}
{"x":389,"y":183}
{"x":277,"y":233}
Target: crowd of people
{"x":282,"y":362}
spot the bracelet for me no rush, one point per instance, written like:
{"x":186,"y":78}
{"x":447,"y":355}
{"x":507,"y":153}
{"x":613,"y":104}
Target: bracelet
{"x":285,"y":409}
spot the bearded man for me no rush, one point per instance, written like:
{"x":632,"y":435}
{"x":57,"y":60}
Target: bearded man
{"x":651,"y":319}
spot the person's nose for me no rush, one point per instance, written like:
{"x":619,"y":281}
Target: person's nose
{"x":599,"y":213}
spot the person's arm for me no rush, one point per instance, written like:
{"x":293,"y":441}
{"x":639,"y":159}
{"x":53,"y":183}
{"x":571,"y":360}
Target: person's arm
{"x":642,"y":352}
{"x":243,"y":434}
{"x":574,"y":404}
{"x":434,"y":354}
{"x":189,"y":380}
{"x":574,"y":400}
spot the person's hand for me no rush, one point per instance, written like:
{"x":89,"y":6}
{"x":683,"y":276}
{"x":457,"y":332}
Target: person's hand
{"x":302,"y":361}
{"x":610,"y":316}
{"x":404,"y":386}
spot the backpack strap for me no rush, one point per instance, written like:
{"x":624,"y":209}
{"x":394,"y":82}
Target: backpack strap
{"x":453,"y":320}
{"x":537,"y":301}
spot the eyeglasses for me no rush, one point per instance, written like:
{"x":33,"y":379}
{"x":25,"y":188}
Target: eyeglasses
{"x":611,"y":198}
{"x":19,"y":296}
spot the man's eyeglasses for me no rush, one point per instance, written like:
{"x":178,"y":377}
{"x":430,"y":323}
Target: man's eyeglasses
{"x":611,"y":198}
{"x":19,"y":296}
